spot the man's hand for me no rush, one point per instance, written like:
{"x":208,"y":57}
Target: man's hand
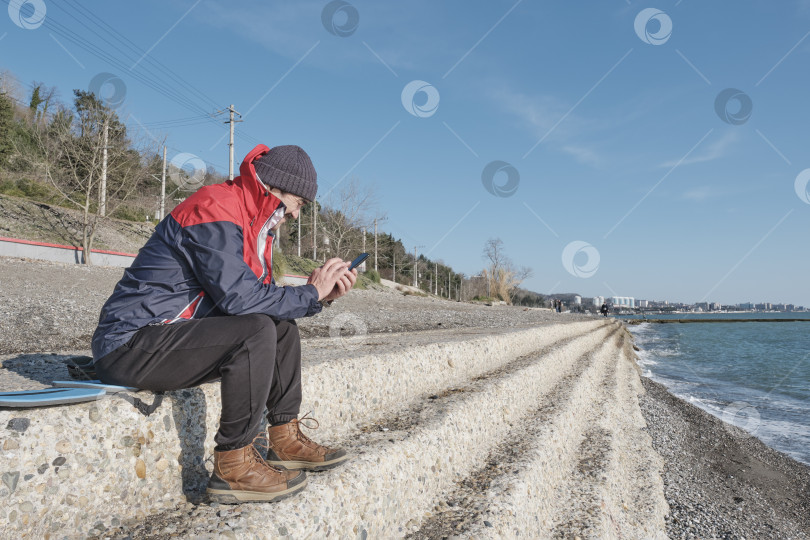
{"x":333,"y":279}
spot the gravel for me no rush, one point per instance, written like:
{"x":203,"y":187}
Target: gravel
{"x":719,"y":481}
{"x":21,"y":218}
{"x":48,"y":307}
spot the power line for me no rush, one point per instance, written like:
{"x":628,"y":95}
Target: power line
{"x":154,"y":74}
{"x":121,"y":40}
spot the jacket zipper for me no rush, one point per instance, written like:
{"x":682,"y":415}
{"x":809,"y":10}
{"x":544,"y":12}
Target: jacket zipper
{"x":261,"y":245}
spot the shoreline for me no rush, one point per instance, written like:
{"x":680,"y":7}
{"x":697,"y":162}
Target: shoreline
{"x":720,"y":481}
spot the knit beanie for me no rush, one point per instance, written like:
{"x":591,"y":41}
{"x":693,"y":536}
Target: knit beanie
{"x":289,"y":169}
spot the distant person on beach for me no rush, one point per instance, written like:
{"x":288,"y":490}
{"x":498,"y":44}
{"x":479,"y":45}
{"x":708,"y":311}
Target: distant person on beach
{"x":199,"y":303}
{"x":604,"y":309}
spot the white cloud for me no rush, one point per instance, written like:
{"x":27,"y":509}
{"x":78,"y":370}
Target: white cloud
{"x":698,"y":194}
{"x":398,"y":32}
{"x":584,"y":155}
{"x":538,"y":113}
{"x":712,"y":151}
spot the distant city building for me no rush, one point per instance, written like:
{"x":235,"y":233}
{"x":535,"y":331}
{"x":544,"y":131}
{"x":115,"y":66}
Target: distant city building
{"x":578,"y":300}
{"x":747,"y":305}
{"x":715,"y":306}
{"x":598,"y":301}
{"x":643,"y":303}
{"x":623,"y":301}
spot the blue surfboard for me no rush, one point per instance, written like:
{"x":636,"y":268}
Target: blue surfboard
{"x":109,"y":388}
{"x":49,"y":396}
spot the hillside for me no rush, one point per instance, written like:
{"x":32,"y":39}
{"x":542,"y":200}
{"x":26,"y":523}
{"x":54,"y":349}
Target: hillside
{"x":29,"y":220}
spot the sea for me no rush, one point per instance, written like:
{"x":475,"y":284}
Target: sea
{"x":755,"y":375}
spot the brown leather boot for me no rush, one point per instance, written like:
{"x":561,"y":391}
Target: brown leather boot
{"x":288,"y":447}
{"x":243,"y":476}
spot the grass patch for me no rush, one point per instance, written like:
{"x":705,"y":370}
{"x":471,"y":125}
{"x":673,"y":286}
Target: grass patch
{"x":31,"y":189}
{"x":301,"y":266}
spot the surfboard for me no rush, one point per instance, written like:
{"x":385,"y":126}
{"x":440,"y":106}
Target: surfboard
{"x":49,"y":396}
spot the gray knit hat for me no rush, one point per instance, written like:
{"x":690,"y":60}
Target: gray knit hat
{"x":289,"y":169}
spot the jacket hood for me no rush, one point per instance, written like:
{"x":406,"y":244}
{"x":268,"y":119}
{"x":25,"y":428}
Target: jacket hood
{"x":256,"y":194}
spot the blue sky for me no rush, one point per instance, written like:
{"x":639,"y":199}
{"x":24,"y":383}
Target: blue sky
{"x":608,"y":125}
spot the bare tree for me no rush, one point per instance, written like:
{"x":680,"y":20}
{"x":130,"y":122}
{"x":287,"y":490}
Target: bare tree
{"x":342,"y":217}
{"x":10,"y":85}
{"x":502,"y":277}
{"x":73,"y":150}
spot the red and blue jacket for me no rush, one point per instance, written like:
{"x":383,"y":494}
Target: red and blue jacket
{"x":212,"y":256}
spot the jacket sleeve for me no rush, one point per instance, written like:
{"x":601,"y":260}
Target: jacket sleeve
{"x":214,"y":252}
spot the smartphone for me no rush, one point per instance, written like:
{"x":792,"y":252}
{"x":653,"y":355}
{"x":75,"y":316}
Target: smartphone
{"x":356,"y":262}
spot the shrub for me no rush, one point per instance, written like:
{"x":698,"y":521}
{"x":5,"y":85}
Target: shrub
{"x":280,"y":264}
{"x":129,"y":213}
{"x":30,"y":189}
{"x":373,"y":275}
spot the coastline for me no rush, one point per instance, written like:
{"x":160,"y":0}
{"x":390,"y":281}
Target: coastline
{"x":719,"y":481}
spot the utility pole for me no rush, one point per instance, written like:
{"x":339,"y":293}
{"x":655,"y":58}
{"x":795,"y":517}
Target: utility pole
{"x":102,"y":207}
{"x":163,"y":187}
{"x":231,"y":121}
{"x":416,"y":267}
{"x":436,"y":271}
{"x":314,"y":229}
{"x":375,"y":240}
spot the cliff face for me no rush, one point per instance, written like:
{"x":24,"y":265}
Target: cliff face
{"x":477,"y":432}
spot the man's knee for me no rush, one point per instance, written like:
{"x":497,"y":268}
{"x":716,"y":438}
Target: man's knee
{"x":259,"y":327}
{"x":287,"y":331}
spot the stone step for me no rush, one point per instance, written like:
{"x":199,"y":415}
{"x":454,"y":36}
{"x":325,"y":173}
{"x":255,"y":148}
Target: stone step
{"x":551,"y":428}
{"x":398,"y":474}
{"x":586,"y":469}
{"x":77,"y":469}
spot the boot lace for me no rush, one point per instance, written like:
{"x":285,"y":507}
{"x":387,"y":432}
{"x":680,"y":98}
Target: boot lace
{"x":313,"y":425}
{"x":261,"y":441}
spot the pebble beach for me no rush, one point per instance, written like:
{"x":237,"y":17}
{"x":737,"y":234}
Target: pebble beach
{"x":718,"y":481}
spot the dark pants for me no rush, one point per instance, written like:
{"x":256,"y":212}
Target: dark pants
{"x":257,"y":358}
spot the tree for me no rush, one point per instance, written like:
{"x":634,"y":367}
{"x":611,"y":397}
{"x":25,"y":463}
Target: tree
{"x":36,"y":100}
{"x":73,"y":149}
{"x":41,"y":99}
{"x":6,"y":125}
{"x":502,"y":277}
{"x":343,"y":216}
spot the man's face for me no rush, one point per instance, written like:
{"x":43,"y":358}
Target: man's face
{"x":293,"y":204}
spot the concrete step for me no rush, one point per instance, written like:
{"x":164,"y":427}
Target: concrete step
{"x":397,"y":475}
{"x":580,"y":466}
{"x":80,"y":469}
